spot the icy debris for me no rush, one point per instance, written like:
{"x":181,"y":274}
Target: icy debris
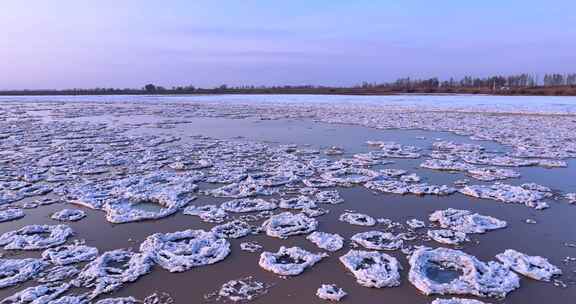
{"x":334,"y":151}
{"x":286,"y":224}
{"x":15,"y":271}
{"x":327,"y":241}
{"x":315,"y":212}
{"x":410,"y":178}
{"x":400,"y":187}
{"x":571,"y":197}
{"x":57,"y":273}
{"x":456,"y":147}
{"x":456,"y":301}
{"x":34,"y":237}
{"x":473,"y":276}
{"x":552,"y":163}
{"x":415,"y":223}
{"x":330,"y":292}
{"x":111,"y":270}
{"x":446,"y":165}
{"x":243,"y":290}
{"x":159,"y":298}
{"x":207,"y":213}
{"x":70,"y":254}
{"x":289,"y":261}
{"x":318,"y":183}
{"x":232,"y":230}
{"x":492,"y":174}
{"x":395,"y":150}
{"x":250,"y":246}
{"x":535,"y":267}
{"x":182,"y":250}
{"x":331,"y":197}
{"x":357,"y":219}
{"x":507,"y":193}
{"x":536,"y":187}
{"x":378,"y":240}
{"x":372,"y":268}
{"x":123,"y":300}
{"x":40,"y":294}
{"x":350,"y":175}
{"x":68,"y":215}
{"x":243,"y":189}
{"x":447,"y":236}
{"x":11,"y":214}
{"x":247,"y":205}
{"x":465,"y":221}
{"x":297,"y":203}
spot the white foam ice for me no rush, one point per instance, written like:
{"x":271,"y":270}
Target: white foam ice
{"x":70,"y":254}
{"x":207,"y":213}
{"x":285,"y":224}
{"x":358,"y":219}
{"x":232,"y":230}
{"x":466,"y":221}
{"x":447,"y":236}
{"x":378,"y":240}
{"x":182,"y":250}
{"x":327,"y":241}
{"x":15,"y":271}
{"x":67,"y":215}
{"x":535,"y":267}
{"x":330,"y":292}
{"x":41,"y":294}
{"x":247,"y":205}
{"x":372,"y":268}
{"x":289,"y":261}
{"x":34,"y":237}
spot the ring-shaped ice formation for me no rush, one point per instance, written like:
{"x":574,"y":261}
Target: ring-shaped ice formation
{"x":447,"y":236}
{"x":14,"y":271}
{"x":327,"y":241}
{"x":358,"y":219}
{"x":378,"y":240}
{"x":476,"y":278}
{"x":285,"y":224}
{"x":182,"y":250}
{"x":111,"y":270}
{"x":243,"y":205}
{"x":372,"y":268}
{"x":289,"y":261}
{"x":242,"y":290}
{"x":232,"y":230}
{"x":34,"y":237}
{"x":70,"y":254}
{"x":535,"y":267}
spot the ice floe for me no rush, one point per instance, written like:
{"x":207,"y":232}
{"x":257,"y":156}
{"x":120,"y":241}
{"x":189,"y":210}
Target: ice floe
{"x":327,"y":241}
{"x":358,"y":219}
{"x":508,"y":194}
{"x":372,"y":268}
{"x":208,"y":213}
{"x":466,"y":221}
{"x":456,"y":301}
{"x":70,"y":254}
{"x":330,"y":292}
{"x":242,"y":290}
{"x":232,"y":230}
{"x":447,"y":236}
{"x":377,"y":240}
{"x":34,"y":237}
{"x":350,"y":175}
{"x":248,"y":205}
{"x":182,"y":250}
{"x":285,"y":224}
{"x":15,"y":271}
{"x":38,"y":294}
{"x":68,"y":215}
{"x":473,"y":277}
{"x":535,"y":267}
{"x":11,"y":214}
{"x":289,"y":261}
{"x":250,"y":246}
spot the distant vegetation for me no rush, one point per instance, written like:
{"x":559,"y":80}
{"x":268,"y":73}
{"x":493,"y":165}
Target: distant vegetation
{"x":523,"y":84}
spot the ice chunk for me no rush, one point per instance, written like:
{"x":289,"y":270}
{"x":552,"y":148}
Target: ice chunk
{"x":492,"y":174}
{"x":182,"y":250}
{"x":70,"y":254}
{"x":250,"y":246}
{"x":232,"y":230}
{"x":372,"y":268}
{"x":57,"y":273}
{"x":378,"y":240}
{"x":535,"y":267}
{"x":208,"y":213}
{"x":357,"y":219}
{"x":330,"y":292}
{"x":456,"y":301}
{"x":327,"y":241}
{"x":247,"y":205}
{"x":465,"y":221}
{"x":11,"y":214}
{"x":506,"y":193}
{"x":331,"y":197}
{"x":38,"y":294}
{"x":289,"y":261}
{"x":34,"y":237}
{"x":14,"y":271}
{"x":243,"y":290}
{"x":286,"y":224}
{"x":123,"y":300}
{"x":447,"y":236}
{"x":297,"y":203}
{"x":415,"y":223}
{"x":350,"y":175}
{"x":111,"y":270}
{"x":432,"y":271}
{"x":68,"y":215}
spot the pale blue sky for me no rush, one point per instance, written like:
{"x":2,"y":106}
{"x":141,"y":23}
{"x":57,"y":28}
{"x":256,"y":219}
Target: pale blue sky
{"x":127,"y":43}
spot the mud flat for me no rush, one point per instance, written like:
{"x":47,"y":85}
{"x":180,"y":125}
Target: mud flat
{"x":214,"y":201}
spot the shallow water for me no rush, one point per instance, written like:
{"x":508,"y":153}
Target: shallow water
{"x":554,"y":226}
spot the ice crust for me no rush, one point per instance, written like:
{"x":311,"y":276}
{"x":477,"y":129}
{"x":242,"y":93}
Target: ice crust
{"x":182,"y":250}
{"x":477,"y":278}
{"x":289,"y":261}
{"x":372,"y":268}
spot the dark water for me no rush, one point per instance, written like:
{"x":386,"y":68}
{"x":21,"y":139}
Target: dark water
{"x":555,"y":226}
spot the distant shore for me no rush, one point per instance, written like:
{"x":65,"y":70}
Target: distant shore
{"x":533,"y":91}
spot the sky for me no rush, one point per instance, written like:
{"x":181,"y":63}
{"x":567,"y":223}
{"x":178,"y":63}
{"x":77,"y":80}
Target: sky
{"x":58,"y":44}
